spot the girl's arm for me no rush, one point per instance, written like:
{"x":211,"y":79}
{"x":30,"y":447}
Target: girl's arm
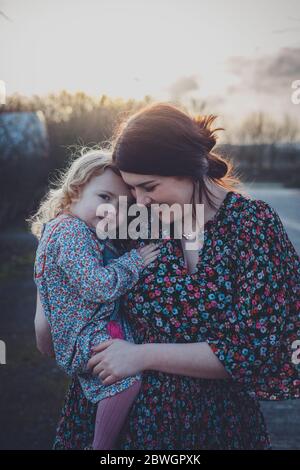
{"x":84,"y":268}
{"x":42,"y":330}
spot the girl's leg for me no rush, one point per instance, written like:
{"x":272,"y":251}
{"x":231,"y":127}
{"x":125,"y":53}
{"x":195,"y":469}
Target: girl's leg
{"x":111,"y":415}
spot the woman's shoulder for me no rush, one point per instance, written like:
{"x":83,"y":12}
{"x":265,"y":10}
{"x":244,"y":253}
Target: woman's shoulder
{"x":248,"y":212}
{"x":257,"y":227}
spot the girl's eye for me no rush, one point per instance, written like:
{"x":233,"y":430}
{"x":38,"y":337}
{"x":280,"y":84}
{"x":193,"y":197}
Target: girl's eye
{"x":104,"y":196}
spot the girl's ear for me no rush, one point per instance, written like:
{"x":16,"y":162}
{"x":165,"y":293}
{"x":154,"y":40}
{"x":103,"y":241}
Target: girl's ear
{"x":76,"y":195}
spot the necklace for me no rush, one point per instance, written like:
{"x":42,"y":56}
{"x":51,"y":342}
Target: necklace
{"x":188,"y":235}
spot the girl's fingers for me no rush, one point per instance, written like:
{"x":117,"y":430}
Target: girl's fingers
{"x":149,"y":261}
{"x":152,"y":246}
{"x":155,"y":247}
{"x":148,"y":248}
{"x":153,"y":253}
{"x":151,"y":256}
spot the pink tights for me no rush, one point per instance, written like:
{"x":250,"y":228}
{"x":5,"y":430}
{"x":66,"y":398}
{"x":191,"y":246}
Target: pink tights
{"x":111,"y":415}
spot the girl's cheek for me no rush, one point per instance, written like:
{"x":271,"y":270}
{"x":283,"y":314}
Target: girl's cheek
{"x":121,"y":217}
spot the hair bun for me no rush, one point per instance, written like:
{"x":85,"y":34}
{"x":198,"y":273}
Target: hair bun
{"x":208,"y":134}
{"x":217,"y":167}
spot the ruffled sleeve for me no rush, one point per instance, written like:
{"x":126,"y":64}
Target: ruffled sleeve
{"x":256,"y":343}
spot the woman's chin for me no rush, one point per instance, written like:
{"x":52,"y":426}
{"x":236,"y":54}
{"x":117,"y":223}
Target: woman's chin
{"x":169,"y":219}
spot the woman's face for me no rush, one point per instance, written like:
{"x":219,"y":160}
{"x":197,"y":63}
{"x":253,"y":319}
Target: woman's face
{"x":155,"y":189}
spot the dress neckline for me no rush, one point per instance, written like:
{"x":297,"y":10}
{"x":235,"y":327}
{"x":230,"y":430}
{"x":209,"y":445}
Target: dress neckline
{"x":212,"y":222}
{"x":207,"y":226}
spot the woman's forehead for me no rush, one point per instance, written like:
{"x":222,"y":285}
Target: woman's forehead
{"x":135,"y":179}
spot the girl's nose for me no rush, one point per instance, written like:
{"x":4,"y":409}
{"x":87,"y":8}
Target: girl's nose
{"x":142,"y":198}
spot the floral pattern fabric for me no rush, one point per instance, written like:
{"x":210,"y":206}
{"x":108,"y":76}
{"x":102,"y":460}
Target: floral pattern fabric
{"x":81,"y":280}
{"x":244,"y":301}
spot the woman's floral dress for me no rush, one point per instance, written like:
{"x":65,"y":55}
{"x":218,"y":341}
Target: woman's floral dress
{"x":244,"y":301}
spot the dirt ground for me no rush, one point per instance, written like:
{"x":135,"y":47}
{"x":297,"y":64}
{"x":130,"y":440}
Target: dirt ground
{"x":32,"y":388}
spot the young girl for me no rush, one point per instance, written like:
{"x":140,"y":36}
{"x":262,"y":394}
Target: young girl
{"x":80,"y":280}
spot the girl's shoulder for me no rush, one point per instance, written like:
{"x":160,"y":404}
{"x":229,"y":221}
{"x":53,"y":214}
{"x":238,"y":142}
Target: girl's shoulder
{"x":62,"y":223}
{"x":67,"y":228}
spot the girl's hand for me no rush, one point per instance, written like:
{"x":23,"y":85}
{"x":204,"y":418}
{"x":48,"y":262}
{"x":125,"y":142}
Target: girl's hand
{"x":115,"y":359}
{"x":149,"y":253}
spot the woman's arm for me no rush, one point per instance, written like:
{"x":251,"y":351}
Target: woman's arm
{"x":116,"y":359}
{"x":191,"y":359}
{"x":42,"y":330}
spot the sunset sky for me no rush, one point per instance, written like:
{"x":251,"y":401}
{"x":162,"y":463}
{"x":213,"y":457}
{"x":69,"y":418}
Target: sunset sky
{"x":239,"y":56}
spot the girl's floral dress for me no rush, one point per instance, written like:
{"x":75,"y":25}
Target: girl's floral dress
{"x":244,"y":301}
{"x":81,"y":280}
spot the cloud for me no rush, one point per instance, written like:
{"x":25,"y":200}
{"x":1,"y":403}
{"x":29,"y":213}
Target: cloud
{"x":266,"y":74}
{"x":182,"y":86}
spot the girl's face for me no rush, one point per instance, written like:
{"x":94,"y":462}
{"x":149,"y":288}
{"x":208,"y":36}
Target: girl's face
{"x":101,"y":189}
{"x":154,"y":189}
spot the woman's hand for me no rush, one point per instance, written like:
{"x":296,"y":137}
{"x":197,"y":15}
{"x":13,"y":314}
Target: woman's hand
{"x":115,"y":359}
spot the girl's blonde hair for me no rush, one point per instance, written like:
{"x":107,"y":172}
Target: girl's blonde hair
{"x":69,"y":184}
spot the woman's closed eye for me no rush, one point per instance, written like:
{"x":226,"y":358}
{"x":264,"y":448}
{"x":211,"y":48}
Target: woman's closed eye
{"x":150,"y":189}
{"x":146,"y":188}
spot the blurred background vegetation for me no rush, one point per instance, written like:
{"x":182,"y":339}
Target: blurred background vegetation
{"x":55,"y":126}
{"x":37,"y":136}
{"x":209,"y":57}
{"x":262,"y":148}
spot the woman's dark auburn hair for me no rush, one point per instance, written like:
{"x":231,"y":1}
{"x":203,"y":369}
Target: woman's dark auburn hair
{"x":163,"y":140}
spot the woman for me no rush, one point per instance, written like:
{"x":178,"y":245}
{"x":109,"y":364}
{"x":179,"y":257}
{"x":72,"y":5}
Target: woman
{"x":214,"y":327}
